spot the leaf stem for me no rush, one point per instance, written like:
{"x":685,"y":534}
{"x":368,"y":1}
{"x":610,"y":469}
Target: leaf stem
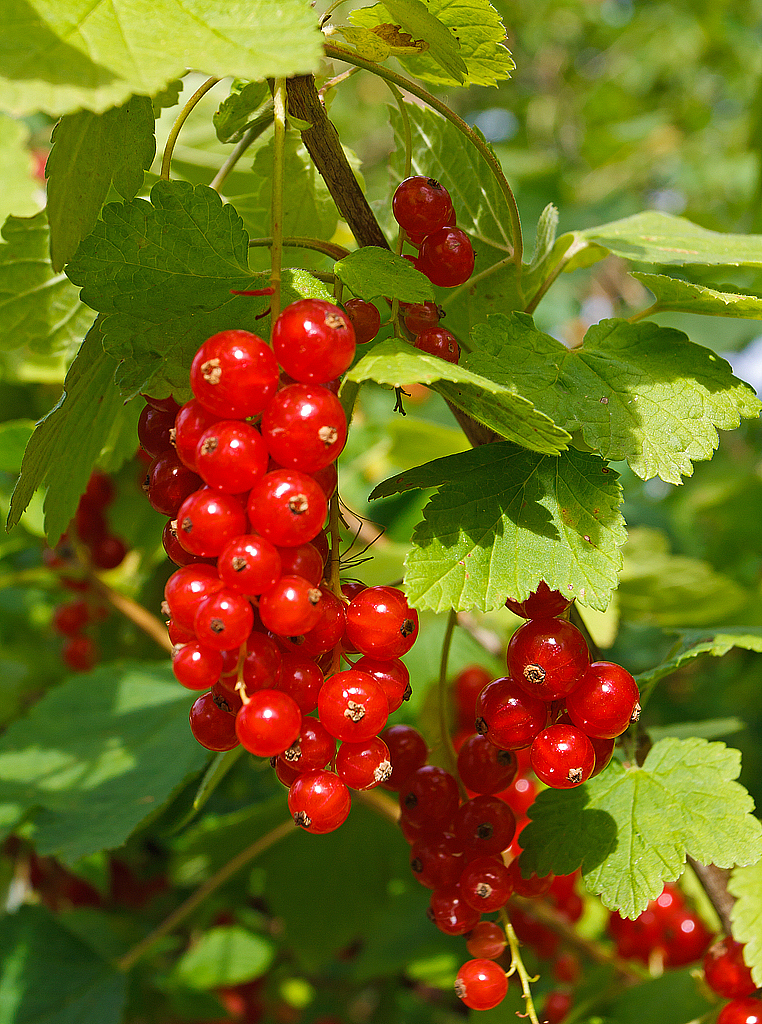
{"x":448,"y":751}
{"x":250,"y":136}
{"x":339,"y":53}
{"x":330,"y":249}
{"x":408,"y":167}
{"x":181,"y":119}
{"x":517,"y":967}
{"x":135,"y":612}
{"x":131,"y":957}
{"x":276,"y":210}
{"x":655,"y":308}
{"x":577,"y":246}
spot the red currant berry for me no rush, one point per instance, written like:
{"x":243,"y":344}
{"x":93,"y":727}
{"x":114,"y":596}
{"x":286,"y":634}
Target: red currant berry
{"x":467,"y":686}
{"x":726,"y":972}
{"x":481,"y":984}
{"x":162,"y":404}
{"x":303,"y":560}
{"x":392,"y":676}
{"x":429,"y":797}
{"x":319,"y":802}
{"x":71,"y":618}
{"x":304,"y":427}
{"x":262,"y":664}
{"x":483,"y":767}
{"x":381,"y":624}
{"x":249,"y":564}
{"x":547,"y":657}
{"x":186,"y":588}
{"x":438,"y":341}
{"x":231,"y":456}
{"x":605,"y":700}
{"x":437,"y":860}
{"x":330,"y":627}
{"x":352,"y":706}
{"x":153,"y":430}
{"x":508,"y":716}
{"x":741,"y":1011}
{"x":421,"y":205}
{"x":223,"y":620}
{"x":291,"y":607}
{"x":532,"y":887}
{"x":557,"y":1005}
{"x":422,"y":316}
{"x":287,"y":507}
{"x":268,"y":723}
{"x":314,"y":341}
{"x":486,"y":884}
{"x":80,"y":653}
{"x":169,"y":483}
{"x":212,"y":727}
{"x":685,"y":939}
{"x":447,"y":257}
{"x":313,"y":748}
{"x":301,"y":679}
{"x":226,"y":700}
{"x":108,"y":552}
{"x":100,"y":489}
{"x":366,"y":319}
{"x":407,"y":752}
{"x":234,"y":374}
{"x":562,"y":757}
{"x":363,"y":765}
{"x":604,"y":751}
{"x":191,"y":422}
{"x":542,"y":603}
{"x":484,"y":825}
{"x":450,"y":912}
{"x":196,"y":666}
{"x":486,"y":941}
{"x":208,"y":520}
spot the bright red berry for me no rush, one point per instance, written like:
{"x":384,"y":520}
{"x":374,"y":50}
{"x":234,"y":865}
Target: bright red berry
{"x":291,"y":607}
{"x":301,"y":679}
{"x":508,"y":716}
{"x":446,"y":257}
{"x":197,"y":666}
{"x":726,"y":972}
{"x":288,"y":507}
{"x":392,"y":676}
{"x":208,"y":520}
{"x":319,"y":802}
{"x":186,"y":588}
{"x":212,"y":727}
{"x":741,"y":1011}
{"x":303,"y":560}
{"x":562,"y":757}
{"x":450,"y":912}
{"x":421,"y":205}
{"x":262,"y":664}
{"x":190,"y":423}
{"x":231,"y":456}
{"x":486,"y":941}
{"x":305,"y":427}
{"x":268,"y":723}
{"x":365,"y":318}
{"x":532,"y":887}
{"x":249,"y":564}
{"x":486,"y":884}
{"x":313,"y":748}
{"x":314,"y":341}
{"x":381,"y":624}
{"x":352,"y":706}
{"x":234,"y":374}
{"x":481,"y":984}
{"x":438,"y":341}
{"x":605,"y":700}
{"x":422,"y":316}
{"x":363,"y":765}
{"x":547,"y":657}
{"x":223,"y":620}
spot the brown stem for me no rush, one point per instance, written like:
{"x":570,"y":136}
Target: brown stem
{"x":715,"y":883}
{"x":135,"y":612}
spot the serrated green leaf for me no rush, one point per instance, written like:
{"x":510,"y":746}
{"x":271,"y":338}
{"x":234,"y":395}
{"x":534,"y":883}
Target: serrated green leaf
{"x":49,"y":975}
{"x":14,"y":437}
{"x":59,"y":57}
{"x":233,"y":116}
{"x":90,"y":152}
{"x":694,"y":642}
{"x":422,"y":22}
{"x":636,"y":391}
{"x":22,"y":193}
{"x":505,"y":518}
{"x":224,"y":956}
{"x":746,"y":885}
{"x":38,"y":307}
{"x":396,"y":363}
{"x":660,"y":588}
{"x":92,"y":764}
{"x":68,"y":442}
{"x":480,"y":35}
{"x":372,"y":272}
{"x":630,"y":829}
{"x":678,"y":296}
{"x":655,"y":237}
{"x":440,"y":151}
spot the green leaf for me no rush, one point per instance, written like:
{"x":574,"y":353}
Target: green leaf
{"x":224,"y":956}
{"x":372,"y":272}
{"x":645,"y":1003}
{"x":480,"y":35}
{"x":636,"y":391}
{"x":49,"y":976}
{"x":663,"y":589}
{"x":421,"y":21}
{"x":14,"y":437}
{"x":21,"y":191}
{"x":674,"y":295}
{"x":396,"y":363}
{"x":505,"y":518}
{"x":711,"y":729}
{"x":694,"y":642}
{"x":69,"y":441}
{"x":631,"y":828}
{"x":233,"y":116}
{"x":546,"y":236}
{"x":746,"y":885}
{"x":655,"y":237}
{"x":59,"y":57}
{"x":162,"y":273}
{"x":90,"y":152}
{"x":92,"y":764}
{"x":38,"y":307}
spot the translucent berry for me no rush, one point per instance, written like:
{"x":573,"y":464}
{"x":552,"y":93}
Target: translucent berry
{"x":313,"y":341}
{"x":319,"y":802}
{"x":547,"y":657}
{"x":212,"y":727}
{"x":381,"y":624}
{"x":562,"y":757}
{"x":481,"y":984}
{"x":269,"y":723}
{"x":365,"y":318}
{"x":234,"y":374}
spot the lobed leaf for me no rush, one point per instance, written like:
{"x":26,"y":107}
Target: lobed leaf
{"x":372,"y":272}
{"x":693,"y":642}
{"x":505,"y":518}
{"x":224,"y":956}
{"x":630,"y":829}
{"x":639,"y":392}
{"x":746,"y":885}
{"x":90,"y":765}
{"x":90,"y":153}
{"x":60,"y":57}
{"x":233,"y":116}
{"x":38,"y":307}
{"x":674,"y":295}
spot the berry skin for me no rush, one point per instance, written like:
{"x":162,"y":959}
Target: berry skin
{"x":313,"y":341}
{"x":231,"y":456}
{"x":438,"y":341}
{"x":223,"y":620}
{"x":437,"y":860}
{"x":319,"y":802}
{"x":557,"y":1006}
{"x":381,"y":624}
{"x":191,"y":422}
{"x":169,"y":483}
{"x":543,"y":603}
{"x":352,"y":706}
{"x":562,"y":757}
{"x":365,"y":318}
{"x":547,"y":657}
{"x":71,"y":618}
{"x":446,"y":257}
{"x":234,"y":374}
{"x":483,"y":767}
{"x":208,"y":520}
{"x":486,"y":884}
{"x":312,"y":749}
{"x":304,"y":427}
{"x":80,"y":653}
{"x":197,"y":666}
{"x":249,"y":564}
{"x":330,"y":626}
{"x":269,"y":723}
{"x":741,"y":1011}
{"x":486,"y":941}
{"x":300,"y":678}
{"x":212,"y":727}
{"x":407,"y":752}
{"x":450,"y":912}
{"x":604,"y":702}
{"x":153,"y":430}
{"x":421,"y":205}
{"x":532,"y":887}
{"x":262,"y":664}
{"x":508,"y":716}
{"x":287,"y":507}
{"x":484,"y":825}
{"x":291,"y":607}
{"x":392,"y":676}
{"x":429,"y":797}
{"x":604,"y":751}
{"x":186,"y":588}
{"x":108,"y":552}
{"x":422,"y":316}
{"x":686,"y":939}
{"x":363,"y":765}
{"x":481,"y":984}
{"x":303,"y":560}
{"x":725,"y":970}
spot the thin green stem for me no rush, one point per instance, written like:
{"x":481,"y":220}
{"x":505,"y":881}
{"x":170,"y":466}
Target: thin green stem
{"x":655,"y":308}
{"x":182,"y":117}
{"x":517,"y":967}
{"x":333,"y":82}
{"x":577,"y":246}
{"x":251,"y":135}
{"x":233,"y":866}
{"x":276,"y":209}
{"x":330,"y":10}
{"x":408,"y":167}
{"x":330,"y":249}
{"x":339,"y":53}
{"x":451,"y":761}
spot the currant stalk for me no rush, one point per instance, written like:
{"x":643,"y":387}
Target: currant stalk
{"x":276,"y":211}
{"x":517,"y":967}
{"x":451,"y":760}
{"x":182,"y":117}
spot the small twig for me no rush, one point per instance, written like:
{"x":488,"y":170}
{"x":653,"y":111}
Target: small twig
{"x":181,"y":119}
{"x":517,"y":967}
{"x":714,"y":881}
{"x":131,"y":957}
{"x":276,"y":207}
{"x":333,"y":82}
{"x":251,"y":135}
{"x":330,"y":249}
{"x":133,"y":611}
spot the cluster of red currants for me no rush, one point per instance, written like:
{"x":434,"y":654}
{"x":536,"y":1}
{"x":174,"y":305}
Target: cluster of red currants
{"x":103,"y":551}
{"x":245,"y":471}
{"x":726,"y":974}
{"x":568,"y":711}
{"x":666,"y":928}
